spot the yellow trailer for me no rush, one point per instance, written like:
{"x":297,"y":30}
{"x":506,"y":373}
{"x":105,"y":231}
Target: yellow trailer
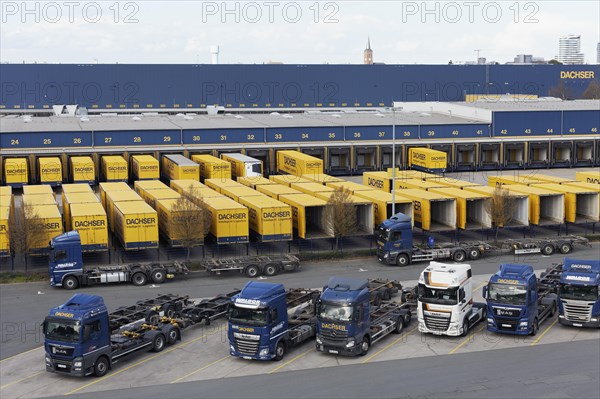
{"x":144,"y":167}
{"x":588,"y":177}
{"x":4,"y":237}
{"x":76,"y":198}
{"x":427,"y":160}
{"x":288,"y":180}
{"x":411,"y":174}
{"x":90,"y":221}
{"x":235,"y":193}
{"x":297,"y":163}
{"x":549,"y":179}
{"x":322,"y":178}
{"x":545,"y":206}
{"x":82,"y":170}
{"x":38,"y":189}
{"x":212,"y":167}
{"x":520,"y":214}
{"x":350,"y":186}
{"x":152,"y":196}
{"x":364,"y":212}
{"x":175,"y":166}
{"x":311,"y":188}
{"x":184,"y":185}
{"x":113,"y":197}
{"x":114,"y":186}
{"x":526,"y":180}
{"x":472,"y":209}
{"x":383,"y":180}
{"x":136,"y":225}
{"x":113,"y":168}
{"x":50,"y":170}
{"x":587,"y":186}
{"x":276,"y":190}
{"x":230,"y":222}
{"x":255,"y":181}
{"x":243,"y":165}
{"x":5,"y":191}
{"x":450,"y":182}
{"x":382,"y":204}
{"x":145,"y":185}
{"x":418,"y":184}
{"x":219,"y":184}
{"x":308,"y":215}
{"x":581,"y":205}
{"x":16,"y":172}
{"x":269,"y":219}
{"x":39,"y":199}
{"x":77,"y":188}
{"x":432,"y":211}
{"x":47,"y":219}
{"x":177,"y":224}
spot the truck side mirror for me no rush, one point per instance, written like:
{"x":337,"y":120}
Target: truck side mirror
{"x":44,"y":327}
{"x":484,"y":292}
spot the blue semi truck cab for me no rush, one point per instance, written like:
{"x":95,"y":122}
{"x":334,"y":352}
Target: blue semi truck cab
{"x":579,"y":302}
{"x":350,"y":318}
{"x":517,"y":301}
{"x":266,"y":320}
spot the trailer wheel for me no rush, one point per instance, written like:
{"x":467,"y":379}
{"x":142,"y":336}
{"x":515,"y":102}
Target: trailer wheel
{"x":279,"y":351}
{"x":173,"y":334}
{"x":101,"y":366}
{"x":152,"y":316}
{"x":547,"y":249}
{"x":158,"y":343}
{"x":364,"y":346}
{"x":534,"y":328}
{"x":565,"y":248}
{"x":402,"y":260}
{"x":252,"y":271}
{"x":139,"y":279}
{"x":158,"y":276}
{"x":270,"y":269}
{"x":399,"y":325}
{"x":407,"y":318}
{"x":459,"y":256}
{"x":169,"y":310}
{"x":70,"y":283}
{"x":553,"y":309}
{"x":474,"y":253}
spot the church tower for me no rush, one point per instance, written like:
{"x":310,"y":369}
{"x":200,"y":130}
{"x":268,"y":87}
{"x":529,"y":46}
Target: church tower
{"x":368,"y":53}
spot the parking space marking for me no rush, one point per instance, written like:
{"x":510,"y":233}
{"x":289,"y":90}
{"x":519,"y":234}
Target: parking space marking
{"x":22,"y":353}
{"x":481,"y":285}
{"x":200,"y":369}
{"x":390,"y":345}
{"x":290,"y":361}
{"x":542,"y":334}
{"x":467,"y":339}
{"x":203,"y":336}
{"x":21,"y":380}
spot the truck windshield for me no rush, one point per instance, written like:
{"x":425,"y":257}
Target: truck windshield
{"x":447,"y":296}
{"x":249,"y":317}
{"x":334,"y":311}
{"x":382,"y":234}
{"x":507,"y":293}
{"x":62,"y":330}
{"x":578,"y":292}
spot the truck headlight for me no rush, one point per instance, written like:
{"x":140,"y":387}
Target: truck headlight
{"x":231,"y":348}
{"x":350,"y":344}
{"x":264,"y":352}
{"x":385,"y":256}
{"x":319,"y":340}
{"x":490,"y":320}
{"x":78,"y":364}
{"x":594,"y":319}
{"x":523,"y":324}
{"x":48,"y":360}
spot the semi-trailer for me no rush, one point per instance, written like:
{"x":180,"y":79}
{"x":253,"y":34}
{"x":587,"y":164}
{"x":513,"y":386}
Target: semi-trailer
{"x":579,"y":293}
{"x":363,"y":209}
{"x":83,"y":322}
{"x":382,"y":204}
{"x":212,"y":167}
{"x":265,"y":320}
{"x":517,"y":301}
{"x":175,"y":166}
{"x":153,"y":196}
{"x":38,"y":189}
{"x":236,"y":193}
{"x":144,"y":167}
{"x":308,"y":215}
{"x":76,"y":198}
{"x":588,"y":177}
{"x":255,"y":181}
{"x":114,"y":197}
{"x":545,"y":207}
{"x":76,"y":188}
{"x":269,"y":219}
{"x":384,"y":180}
{"x":311,"y":188}
{"x":136,"y":225}
{"x":472,"y":209}
{"x":427,"y":159}
{"x":179,"y":221}
{"x":450,"y":182}
{"x":38,"y":199}
{"x":219,"y":184}
{"x":185,"y":185}
{"x":418,"y":184}
{"x":105,"y":187}
{"x":276,"y":190}
{"x":50,"y":170}
{"x":4,"y":228}
{"x":432,"y":211}
{"x":113,"y":168}
{"x":354,"y":314}
{"x":46,"y":218}
{"x":288,"y":180}
{"x":445,"y":300}
{"x":349,"y":186}
{"x":82,"y":170}
{"x":229,"y":220}
{"x":298,"y":164}
{"x":581,"y":205}
{"x":90,"y":221}
{"x":322,"y":178}
{"x":495,"y":181}
{"x":243,"y":165}
{"x":16,"y":172}
{"x":520,"y":204}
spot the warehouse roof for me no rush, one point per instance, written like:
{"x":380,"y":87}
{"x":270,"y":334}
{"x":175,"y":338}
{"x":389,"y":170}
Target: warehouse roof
{"x":538,"y":104}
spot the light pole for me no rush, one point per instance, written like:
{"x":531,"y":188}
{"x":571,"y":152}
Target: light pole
{"x":393,"y":159}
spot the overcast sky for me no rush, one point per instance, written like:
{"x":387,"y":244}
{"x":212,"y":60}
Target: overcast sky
{"x":308,"y":32}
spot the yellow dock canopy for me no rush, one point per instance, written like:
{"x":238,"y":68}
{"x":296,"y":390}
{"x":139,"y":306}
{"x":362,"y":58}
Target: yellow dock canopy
{"x":520,"y":214}
{"x":472,"y":209}
{"x":432,"y":211}
{"x":545,"y":206}
{"x":581,"y":205}
{"x":308,"y":215}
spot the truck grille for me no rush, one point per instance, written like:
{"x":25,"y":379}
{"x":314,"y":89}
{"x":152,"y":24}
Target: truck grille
{"x":505,"y":324}
{"x":577,"y":311}
{"x":63,"y":366}
{"x":334,"y":335}
{"x":246,"y":346}
{"x":438,"y":323}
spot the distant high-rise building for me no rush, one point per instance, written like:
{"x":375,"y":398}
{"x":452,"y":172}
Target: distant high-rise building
{"x":569,"y":50}
{"x":598,"y":53}
{"x":523,"y":59}
{"x":368,"y":53}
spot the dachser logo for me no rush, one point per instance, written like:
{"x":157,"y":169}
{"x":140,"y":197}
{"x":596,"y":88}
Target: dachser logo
{"x":417,"y":206}
{"x":375,"y":182}
{"x":118,"y":168}
{"x":313,"y":164}
{"x":79,"y":169}
{"x":51,"y":170}
{"x":418,"y":156}
{"x":273,"y":215}
{"x":3,"y":227}
{"x":221,"y":167}
{"x":149,"y":167}
{"x":438,"y":159}
{"x":89,"y":223}
{"x":140,"y":221}
{"x":289,"y":161}
{"x":49,"y":226}
{"x":592,"y":180}
{"x":16,"y":171}
{"x":189,"y":170}
{"x":577,"y":74}
{"x":232,"y":216}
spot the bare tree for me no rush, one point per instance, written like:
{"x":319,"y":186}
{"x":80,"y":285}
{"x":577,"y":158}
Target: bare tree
{"x":25,"y":232}
{"x":592,"y":91}
{"x":501,"y":208}
{"x":190,"y":221}
{"x":560,"y":91}
{"x":340,"y":215}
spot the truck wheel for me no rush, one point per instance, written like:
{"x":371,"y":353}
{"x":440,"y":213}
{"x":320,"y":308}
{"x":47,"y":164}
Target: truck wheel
{"x":465,"y":328}
{"x":158,"y":343}
{"x":169,"y":310}
{"x":407,"y":318}
{"x":252,"y":271}
{"x":402,"y":260}
{"x":474,"y":253}
{"x":70,"y":283}
{"x":553,"y":309}
{"x":547,"y":249}
{"x":152,"y":317}
{"x":158,"y":276}
{"x":565,"y":248}
{"x":534,"y":328}
{"x":364,"y":347}
{"x":399,"y":325}
{"x":139,"y":279}
{"x":101,"y":366}
{"x":172,"y":334}
{"x":270,"y":270}
{"x":459,"y":256}
{"x":279,"y":351}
